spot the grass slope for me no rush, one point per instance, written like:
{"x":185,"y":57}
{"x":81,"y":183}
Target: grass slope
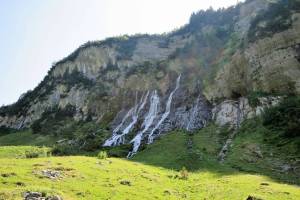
{"x":89,"y":178}
{"x":27,"y":138}
{"x":153,"y":173}
{"x":259,"y":150}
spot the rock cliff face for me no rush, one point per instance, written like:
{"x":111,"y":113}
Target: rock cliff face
{"x":234,"y":112}
{"x":146,"y":85}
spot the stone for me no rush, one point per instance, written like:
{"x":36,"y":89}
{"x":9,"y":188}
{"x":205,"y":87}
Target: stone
{"x":253,"y":198}
{"x":265,"y":184}
{"x":52,"y":174}
{"x":33,"y":196}
{"x":54,"y":197}
{"x":125,"y":182}
{"x":39,"y":196}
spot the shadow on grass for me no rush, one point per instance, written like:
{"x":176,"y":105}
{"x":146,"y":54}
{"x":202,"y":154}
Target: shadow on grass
{"x":171,"y":152}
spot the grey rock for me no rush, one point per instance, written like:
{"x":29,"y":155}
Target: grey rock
{"x":33,"y":196}
{"x":54,"y":197}
{"x":51,"y":174}
{"x":39,"y":196}
{"x":125,"y":182}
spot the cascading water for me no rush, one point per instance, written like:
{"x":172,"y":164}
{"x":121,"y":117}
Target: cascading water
{"x":151,"y":115}
{"x":167,"y":111}
{"x":118,"y":139}
{"x":116,"y":130}
{"x":193,"y":115}
{"x":148,"y":122}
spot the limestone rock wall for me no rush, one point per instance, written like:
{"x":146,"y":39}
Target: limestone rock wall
{"x":234,"y":112}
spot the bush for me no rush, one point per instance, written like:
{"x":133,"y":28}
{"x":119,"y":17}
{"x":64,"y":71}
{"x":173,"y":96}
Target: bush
{"x":75,"y":78}
{"x":5,"y":130}
{"x":64,"y":150}
{"x":184,"y":174}
{"x":254,"y":97}
{"x":31,"y":154}
{"x":285,"y":117}
{"x":37,"y":152}
{"x":102,"y":155}
{"x":53,"y":120}
{"x":119,"y":151}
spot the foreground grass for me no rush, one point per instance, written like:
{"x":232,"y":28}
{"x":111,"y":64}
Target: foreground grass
{"x":90,"y":178}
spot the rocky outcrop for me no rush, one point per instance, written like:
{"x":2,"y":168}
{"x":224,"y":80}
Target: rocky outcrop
{"x":234,"y":112}
{"x":269,"y":64}
{"x":95,"y":59}
{"x":75,"y":97}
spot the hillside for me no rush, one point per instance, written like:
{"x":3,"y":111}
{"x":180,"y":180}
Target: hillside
{"x":160,"y":164}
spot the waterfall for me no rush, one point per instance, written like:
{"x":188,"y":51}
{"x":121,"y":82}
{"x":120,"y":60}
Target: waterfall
{"x":167,"y":111}
{"x":118,"y":139}
{"x":151,"y":115}
{"x":116,"y":130}
{"x":192,"y":117}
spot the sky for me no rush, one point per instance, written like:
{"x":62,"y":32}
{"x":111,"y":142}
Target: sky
{"x":36,"y":33}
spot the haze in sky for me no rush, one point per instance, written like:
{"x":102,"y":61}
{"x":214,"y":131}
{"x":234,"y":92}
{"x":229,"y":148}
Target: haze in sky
{"x":36,"y":33}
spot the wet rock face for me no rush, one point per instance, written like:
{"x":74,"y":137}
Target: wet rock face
{"x":156,"y":114}
{"x":190,"y":113}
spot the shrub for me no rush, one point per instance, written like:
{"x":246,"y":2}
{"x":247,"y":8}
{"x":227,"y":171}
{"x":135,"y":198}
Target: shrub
{"x":102,"y":155}
{"x":119,"y":151}
{"x":64,"y":150}
{"x":54,"y":119}
{"x":75,"y":78}
{"x":37,"y":152}
{"x":254,"y":97}
{"x":5,"y":130}
{"x":284,"y":117}
{"x":184,"y":174}
{"x":31,"y":154}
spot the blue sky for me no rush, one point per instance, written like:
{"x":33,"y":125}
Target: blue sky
{"x":36,"y":33}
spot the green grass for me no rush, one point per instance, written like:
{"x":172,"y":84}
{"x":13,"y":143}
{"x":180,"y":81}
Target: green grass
{"x":23,"y":151}
{"x":154,"y":173}
{"x":27,"y":138}
{"x":173,"y":146}
{"x":275,"y":152}
{"x":90,"y":178}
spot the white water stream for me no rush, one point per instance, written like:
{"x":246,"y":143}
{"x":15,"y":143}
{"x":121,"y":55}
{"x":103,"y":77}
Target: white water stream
{"x":118,"y":139}
{"x":151,"y":115}
{"x":167,"y":111}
